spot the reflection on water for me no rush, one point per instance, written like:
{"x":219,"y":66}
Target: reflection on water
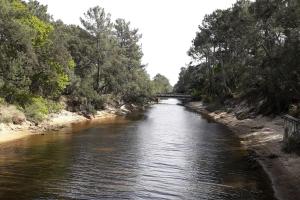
{"x":165,"y":153}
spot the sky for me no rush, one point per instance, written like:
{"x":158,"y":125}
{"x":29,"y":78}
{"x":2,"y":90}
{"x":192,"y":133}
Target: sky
{"x":168,"y":26}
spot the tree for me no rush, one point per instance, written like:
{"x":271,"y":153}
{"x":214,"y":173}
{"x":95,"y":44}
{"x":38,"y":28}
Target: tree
{"x":42,"y":60}
{"x":98,"y":24}
{"x":39,"y":10}
{"x":161,"y":84}
{"x":247,"y":52}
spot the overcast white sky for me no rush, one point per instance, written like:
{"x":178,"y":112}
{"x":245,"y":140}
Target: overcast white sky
{"x":167,"y":26}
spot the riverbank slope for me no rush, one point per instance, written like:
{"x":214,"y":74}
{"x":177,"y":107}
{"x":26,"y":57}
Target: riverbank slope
{"x":263,"y":136}
{"x":61,"y":121}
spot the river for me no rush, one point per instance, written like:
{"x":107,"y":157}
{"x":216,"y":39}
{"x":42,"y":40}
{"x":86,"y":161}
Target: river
{"x":167,"y":152}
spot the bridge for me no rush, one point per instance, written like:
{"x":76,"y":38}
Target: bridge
{"x":173,"y":95}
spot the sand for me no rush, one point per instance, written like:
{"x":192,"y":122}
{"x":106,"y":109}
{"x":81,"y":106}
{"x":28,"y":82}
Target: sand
{"x":55,"y":122}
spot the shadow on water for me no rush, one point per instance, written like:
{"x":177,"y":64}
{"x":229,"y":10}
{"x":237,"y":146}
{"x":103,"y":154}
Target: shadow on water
{"x":166,"y":152}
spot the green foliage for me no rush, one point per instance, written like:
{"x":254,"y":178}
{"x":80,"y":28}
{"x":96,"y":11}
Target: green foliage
{"x":38,"y":10}
{"x":54,"y":107}
{"x":161,"y":84}
{"x":33,"y":60}
{"x":71,"y":64}
{"x":249,"y":51}
{"x":108,"y":61}
{"x":58,"y":81}
{"x":41,"y":29}
{"x":139,"y":90}
{"x":37,"y":109}
{"x":18,"y":6}
{"x":42,"y":59}
{"x":196,"y":94}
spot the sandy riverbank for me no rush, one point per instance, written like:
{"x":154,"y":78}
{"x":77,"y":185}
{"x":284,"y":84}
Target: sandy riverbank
{"x":263,"y":135}
{"x":55,"y":122}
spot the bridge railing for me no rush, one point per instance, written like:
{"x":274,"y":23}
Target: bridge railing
{"x":173,"y":95}
{"x":291,"y":128}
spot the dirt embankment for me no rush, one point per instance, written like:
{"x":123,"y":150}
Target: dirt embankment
{"x":263,"y":135}
{"x":61,"y":121}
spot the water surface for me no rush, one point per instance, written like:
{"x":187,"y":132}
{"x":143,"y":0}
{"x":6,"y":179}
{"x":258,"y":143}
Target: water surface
{"x":167,"y":152}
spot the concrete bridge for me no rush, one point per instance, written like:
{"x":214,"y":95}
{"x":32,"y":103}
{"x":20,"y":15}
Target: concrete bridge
{"x":173,"y":95}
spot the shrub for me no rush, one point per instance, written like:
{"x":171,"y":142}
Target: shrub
{"x":37,"y":109}
{"x":206,"y":98}
{"x":10,"y":113}
{"x":196,"y":94}
{"x":54,"y":107}
{"x":99,"y":102}
{"x":89,"y":109}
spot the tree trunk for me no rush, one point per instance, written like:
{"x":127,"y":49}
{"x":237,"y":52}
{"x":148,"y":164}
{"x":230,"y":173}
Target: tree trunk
{"x":98,"y":65}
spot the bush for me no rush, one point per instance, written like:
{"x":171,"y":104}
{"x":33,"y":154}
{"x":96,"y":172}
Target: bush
{"x":54,"y":107}
{"x":89,"y":109}
{"x":10,"y":113}
{"x":206,"y":98}
{"x":37,"y":109}
{"x":196,"y":94}
{"x":98,"y":102}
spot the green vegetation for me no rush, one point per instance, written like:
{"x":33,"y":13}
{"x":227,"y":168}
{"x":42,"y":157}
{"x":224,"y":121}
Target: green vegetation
{"x":42,"y":60}
{"x":249,"y":52}
{"x":161,"y":84}
{"x":38,"y":108}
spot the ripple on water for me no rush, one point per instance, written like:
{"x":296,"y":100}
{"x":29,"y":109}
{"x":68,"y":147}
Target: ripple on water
{"x":167,"y":153}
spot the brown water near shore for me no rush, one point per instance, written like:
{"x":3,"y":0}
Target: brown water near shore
{"x":167,"y":152}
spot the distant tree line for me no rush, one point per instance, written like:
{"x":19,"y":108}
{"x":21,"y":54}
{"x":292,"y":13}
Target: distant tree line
{"x":249,"y":52}
{"x":42,"y":60}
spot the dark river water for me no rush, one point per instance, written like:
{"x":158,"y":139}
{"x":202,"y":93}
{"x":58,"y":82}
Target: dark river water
{"x":166,"y":152}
